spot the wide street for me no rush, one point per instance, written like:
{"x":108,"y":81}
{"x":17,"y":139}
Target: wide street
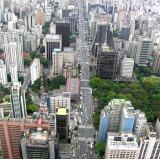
{"x":85,"y":130}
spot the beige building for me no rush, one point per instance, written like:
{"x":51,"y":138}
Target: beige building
{"x":122,"y":146}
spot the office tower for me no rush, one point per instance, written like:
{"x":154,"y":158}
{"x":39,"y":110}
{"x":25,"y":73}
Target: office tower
{"x":127,"y":65}
{"x":107,"y":62}
{"x":13,"y":72}
{"x":110,"y":118}
{"x":120,"y":146}
{"x":62,"y":121}
{"x":35,"y":69}
{"x":18,"y":101}
{"x":10,"y":133}
{"x":63,"y":28}
{"x":157,"y":127}
{"x":60,"y":105}
{"x":125,"y":32}
{"x":3,"y":73}
{"x":145,"y":47}
{"x":52,"y":42}
{"x":140,"y":123}
{"x":57,"y":64}
{"x":37,"y":144}
{"x":14,"y":55}
{"x":73,"y":87}
{"x":149,"y":146}
{"x":127,"y":119}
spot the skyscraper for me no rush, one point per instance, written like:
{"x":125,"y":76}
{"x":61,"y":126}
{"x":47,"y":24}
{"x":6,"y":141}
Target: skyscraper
{"x":18,"y":101}
{"x":117,"y":116}
{"x":145,"y":47}
{"x":3,"y":73}
{"x":14,"y":55}
{"x":63,"y":28}
{"x":35,"y":70}
{"x":127,"y":119}
{"x":37,"y":144}
{"x":107,"y":62}
{"x":52,"y":42}
{"x":13,"y":72}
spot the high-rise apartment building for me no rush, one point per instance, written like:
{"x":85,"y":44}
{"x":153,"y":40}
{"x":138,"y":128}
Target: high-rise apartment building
{"x":37,"y":144}
{"x":145,"y":47}
{"x":18,"y":101}
{"x":156,"y":61}
{"x":11,"y":131}
{"x":57,"y":64}
{"x":14,"y":55}
{"x":140,"y":123}
{"x":127,"y":65}
{"x":3,"y":73}
{"x":127,"y":119}
{"x":111,"y":117}
{"x":107,"y":62}
{"x":52,"y":42}
{"x":35,"y":69}
{"x":121,"y":146}
{"x":149,"y":147}
{"x":13,"y":72}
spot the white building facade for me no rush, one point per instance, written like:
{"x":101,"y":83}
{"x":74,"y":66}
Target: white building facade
{"x":35,"y":70}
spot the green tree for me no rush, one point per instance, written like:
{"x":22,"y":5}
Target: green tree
{"x":31,"y":107}
{"x":100,"y":149}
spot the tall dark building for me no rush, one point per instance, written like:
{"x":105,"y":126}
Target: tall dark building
{"x":107,"y":62}
{"x":37,"y":144}
{"x":63,"y":28}
{"x":125,"y":33}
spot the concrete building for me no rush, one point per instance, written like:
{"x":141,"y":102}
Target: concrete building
{"x":69,"y":70}
{"x":107,"y":62}
{"x":18,"y":101}
{"x":14,"y":55}
{"x":35,"y":69}
{"x":37,"y":144}
{"x":10,"y":133}
{"x":156,"y":61}
{"x":57,"y":64}
{"x":13,"y":72}
{"x":120,"y":146}
{"x":145,"y":47}
{"x":59,"y":99}
{"x":50,"y":43}
{"x":110,"y":119}
{"x":140,"y":123}
{"x":127,"y":65}
{"x":150,"y":144}
{"x":127,"y":119}
{"x":3,"y":73}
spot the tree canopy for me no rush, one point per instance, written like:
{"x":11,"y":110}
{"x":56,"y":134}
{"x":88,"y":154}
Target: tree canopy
{"x":144,"y":95}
